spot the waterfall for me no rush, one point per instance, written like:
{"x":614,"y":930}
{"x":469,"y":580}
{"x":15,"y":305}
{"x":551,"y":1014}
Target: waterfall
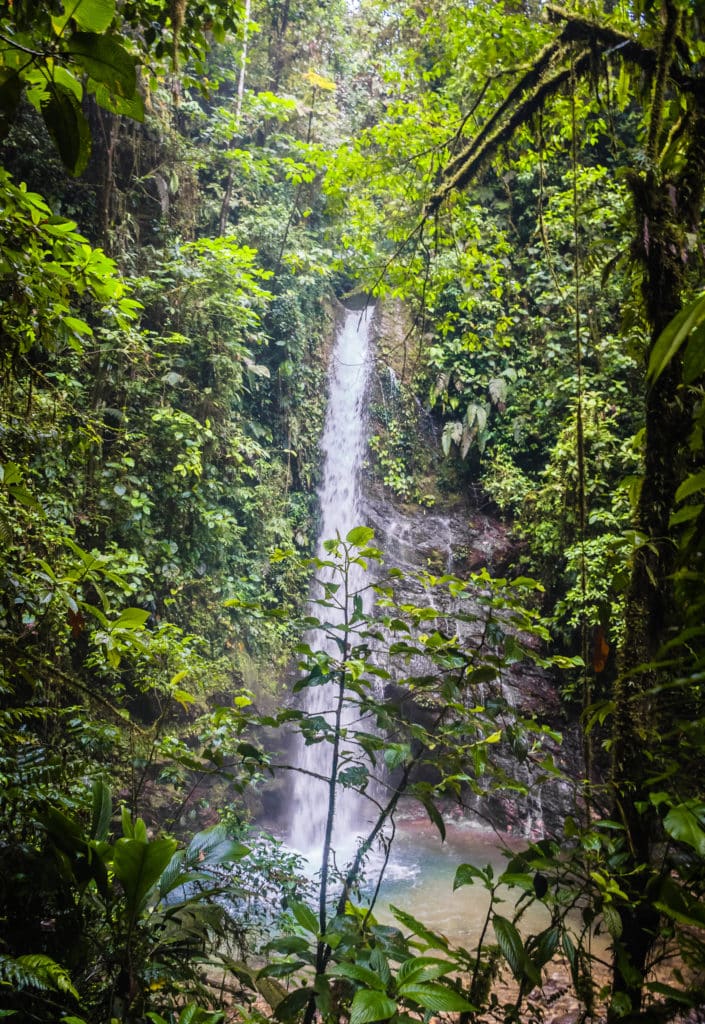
{"x":343,"y":447}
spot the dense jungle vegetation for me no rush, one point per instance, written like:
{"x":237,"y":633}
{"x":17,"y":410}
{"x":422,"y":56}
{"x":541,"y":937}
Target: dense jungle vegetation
{"x":187,"y":189}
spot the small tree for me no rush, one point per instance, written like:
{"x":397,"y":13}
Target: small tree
{"x":410,"y":712}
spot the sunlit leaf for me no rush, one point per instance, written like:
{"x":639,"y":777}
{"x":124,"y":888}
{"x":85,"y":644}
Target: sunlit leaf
{"x":370,"y":1006}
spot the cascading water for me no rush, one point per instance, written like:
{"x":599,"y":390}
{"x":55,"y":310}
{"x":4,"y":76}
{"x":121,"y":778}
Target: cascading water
{"x":343,"y":446}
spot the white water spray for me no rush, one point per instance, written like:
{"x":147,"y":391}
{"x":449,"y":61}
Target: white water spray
{"x":343,"y":446}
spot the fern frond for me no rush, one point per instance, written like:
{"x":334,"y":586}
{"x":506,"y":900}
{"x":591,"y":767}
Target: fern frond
{"x":34,"y":970}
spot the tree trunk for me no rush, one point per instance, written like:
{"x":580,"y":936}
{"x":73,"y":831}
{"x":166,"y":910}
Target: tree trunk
{"x":661,"y":210}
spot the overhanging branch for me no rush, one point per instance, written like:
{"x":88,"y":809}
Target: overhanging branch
{"x":482,"y":149}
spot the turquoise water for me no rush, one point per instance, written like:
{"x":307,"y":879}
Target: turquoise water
{"x":419,"y":880}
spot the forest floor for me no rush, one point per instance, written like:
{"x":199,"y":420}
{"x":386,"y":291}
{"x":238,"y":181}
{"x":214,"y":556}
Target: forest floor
{"x":554,"y":1003}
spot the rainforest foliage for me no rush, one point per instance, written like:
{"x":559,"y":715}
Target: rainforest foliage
{"x":185,"y":189}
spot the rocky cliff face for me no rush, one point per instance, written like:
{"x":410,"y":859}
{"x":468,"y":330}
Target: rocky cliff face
{"x":461,"y":540}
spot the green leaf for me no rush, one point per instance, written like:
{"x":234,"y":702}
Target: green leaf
{"x":694,"y":357}
{"x":138,"y":866}
{"x":684,"y":823}
{"x":396,"y":755}
{"x":34,"y":970}
{"x":92,"y":15}
{"x":433,"y":939}
{"x":64,"y":78}
{"x":434,"y":814}
{"x":281,"y":969}
{"x":174,"y":874}
{"x":693,"y":483}
{"x":511,"y":945}
{"x":359,"y":536}
{"x":685,"y":515}
{"x":132,"y":106}
{"x":467,"y":874}
{"x":677,"y":994}
{"x":130,"y":618}
{"x":290,"y":1007}
{"x":676,"y":903}
{"x":369,"y":1006}
{"x":106,"y":61}
{"x":422,"y":968}
{"x":547,"y":944}
{"x":128,"y":829}
{"x":213,"y":846}
{"x":358,"y":972}
{"x":673,"y":335}
{"x":68,"y":128}
{"x":304,"y":916}
{"x":102,"y":811}
{"x":436,"y":998}
{"x":612,"y":920}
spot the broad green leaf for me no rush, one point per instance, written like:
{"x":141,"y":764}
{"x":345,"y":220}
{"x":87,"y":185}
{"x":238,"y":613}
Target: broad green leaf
{"x":102,"y":811}
{"x":677,"y":994}
{"x":687,"y":913}
{"x":358,"y":972}
{"x":422,"y":968}
{"x":685,"y":515}
{"x":291,"y":1006}
{"x":131,"y":618}
{"x":467,"y":874}
{"x":380,"y":966}
{"x":64,"y":78}
{"x":304,"y":916}
{"x":128,"y":829}
{"x":510,"y":942}
{"x":174,"y":874}
{"x":106,"y":61}
{"x":396,"y":754}
{"x":436,"y":998}
{"x":547,"y":944}
{"x":68,"y":128}
{"x":214,"y":847}
{"x":369,"y":1006}
{"x":518,"y":879}
{"x":138,"y":866}
{"x":612,"y":920}
{"x":433,"y":939}
{"x":674,"y":334}
{"x":684,"y":822}
{"x":76,"y":326}
{"x":281,"y":969}
{"x":695,"y":482}
{"x":694,"y":357}
{"x":434,"y":814}
{"x":360,"y":535}
{"x":91,"y":15}
{"x":132,"y":106}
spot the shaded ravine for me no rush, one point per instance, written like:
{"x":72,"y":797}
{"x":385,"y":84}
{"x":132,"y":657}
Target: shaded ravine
{"x":457,"y":540}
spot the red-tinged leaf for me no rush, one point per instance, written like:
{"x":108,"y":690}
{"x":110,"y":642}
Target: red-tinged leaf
{"x":600,"y":650}
{"x":76,"y":622}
